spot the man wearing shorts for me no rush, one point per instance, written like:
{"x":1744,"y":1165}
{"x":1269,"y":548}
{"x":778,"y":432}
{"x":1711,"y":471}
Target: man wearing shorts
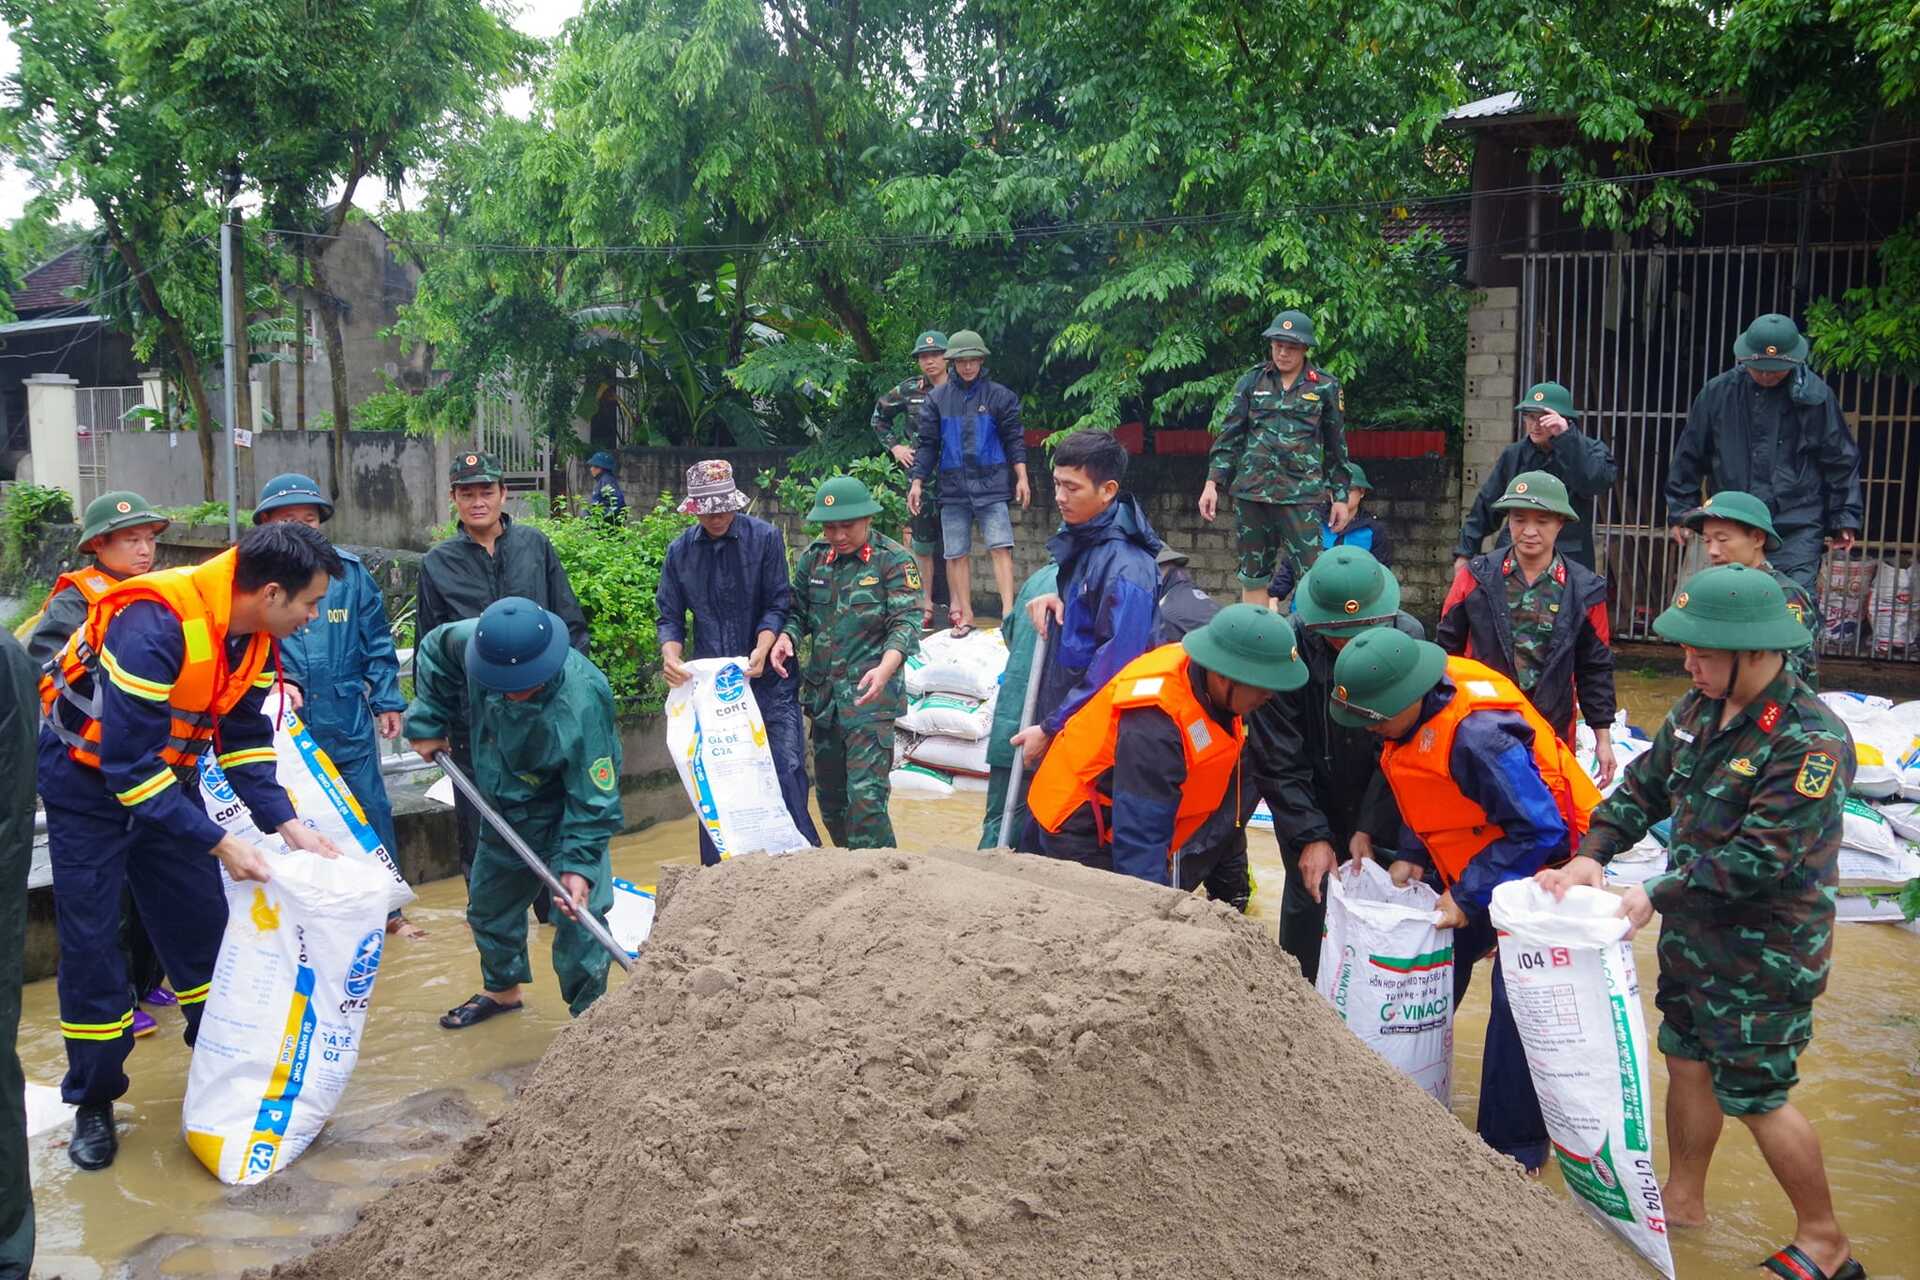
{"x":1281,"y":453}
{"x":970,"y":438}
{"x":1753,"y":770}
{"x":896,"y":424}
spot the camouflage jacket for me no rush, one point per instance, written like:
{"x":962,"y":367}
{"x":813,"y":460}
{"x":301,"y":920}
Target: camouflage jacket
{"x":1747,"y":897}
{"x":897,"y":413}
{"x":854,"y":608}
{"x":1804,"y":662}
{"x":1279,"y":444}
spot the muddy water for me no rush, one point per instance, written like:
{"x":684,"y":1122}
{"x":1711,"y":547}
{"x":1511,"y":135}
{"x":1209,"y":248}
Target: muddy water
{"x":419,"y":1090}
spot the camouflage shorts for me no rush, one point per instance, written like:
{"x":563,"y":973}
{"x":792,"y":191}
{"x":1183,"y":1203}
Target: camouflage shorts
{"x":1265,"y":531}
{"x":1752,"y":1053}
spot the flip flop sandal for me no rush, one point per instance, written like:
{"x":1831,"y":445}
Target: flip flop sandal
{"x":1792,"y":1262}
{"x":476,"y":1010}
{"x":961,"y":631}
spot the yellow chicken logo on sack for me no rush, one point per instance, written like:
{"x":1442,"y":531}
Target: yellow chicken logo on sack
{"x":264,"y":915}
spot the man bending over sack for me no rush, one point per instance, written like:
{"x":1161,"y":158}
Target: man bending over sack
{"x":545,"y":755}
{"x":1753,"y":770}
{"x":1488,"y":794}
{"x":1151,"y":763}
{"x":166,"y":666}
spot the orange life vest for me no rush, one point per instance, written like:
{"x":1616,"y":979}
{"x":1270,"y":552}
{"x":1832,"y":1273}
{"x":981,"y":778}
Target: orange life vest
{"x":205,"y":688}
{"x":1454,"y":828}
{"x":91,"y":582}
{"x":1083,"y":751}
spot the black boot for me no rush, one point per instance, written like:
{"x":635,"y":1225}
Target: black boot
{"x":94,"y":1141}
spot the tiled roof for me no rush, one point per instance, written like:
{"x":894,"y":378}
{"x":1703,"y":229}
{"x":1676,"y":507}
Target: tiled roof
{"x":1453,"y":223}
{"x":1500,"y":104}
{"x":45,"y":287}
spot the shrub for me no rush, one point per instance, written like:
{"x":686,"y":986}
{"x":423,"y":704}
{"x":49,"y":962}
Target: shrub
{"x":888,"y":481}
{"x":30,"y":509}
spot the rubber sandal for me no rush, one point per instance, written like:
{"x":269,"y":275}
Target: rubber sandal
{"x":143,"y":1024}
{"x":476,"y":1010}
{"x":1792,"y":1262}
{"x":926,"y":618}
{"x":160,"y":998}
{"x":961,"y":631}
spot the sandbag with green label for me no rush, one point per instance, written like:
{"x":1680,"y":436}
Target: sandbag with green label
{"x":1386,"y":967}
{"x":1575,"y":997}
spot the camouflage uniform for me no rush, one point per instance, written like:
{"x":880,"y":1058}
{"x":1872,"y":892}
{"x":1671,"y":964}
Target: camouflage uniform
{"x":855,"y":608}
{"x":1534,"y":608}
{"x":1746,"y":936}
{"x":1802,"y":662}
{"x":1281,"y":454}
{"x":895,"y":415}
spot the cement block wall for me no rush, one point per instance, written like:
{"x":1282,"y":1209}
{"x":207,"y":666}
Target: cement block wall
{"x":1492,"y":389}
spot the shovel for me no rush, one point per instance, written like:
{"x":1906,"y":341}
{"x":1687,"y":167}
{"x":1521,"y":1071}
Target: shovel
{"x":1020,"y":757}
{"x":540,"y":869}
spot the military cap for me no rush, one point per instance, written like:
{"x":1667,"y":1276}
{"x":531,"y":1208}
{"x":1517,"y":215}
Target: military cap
{"x":474,"y":467}
{"x":1544,"y":396}
{"x":1291,"y":326}
{"x":1537,"y":491}
{"x":122,"y":509}
{"x":1732,"y":607}
{"x":1345,"y":592}
{"x":842,"y":498}
{"x":967,"y":345}
{"x":516,"y":646}
{"x":1248,"y":645}
{"x":292,"y":490}
{"x":1772,"y":341}
{"x":930,"y":343}
{"x":1740,"y":508}
{"x":1357,"y":478}
{"x":1381,"y":673}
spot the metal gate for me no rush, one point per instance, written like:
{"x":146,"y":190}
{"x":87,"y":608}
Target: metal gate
{"x":503,"y":427}
{"x":1635,"y":333}
{"x":98,"y":412}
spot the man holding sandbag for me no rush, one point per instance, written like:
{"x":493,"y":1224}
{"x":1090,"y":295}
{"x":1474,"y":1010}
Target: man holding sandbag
{"x":545,"y":755}
{"x":1753,"y":769}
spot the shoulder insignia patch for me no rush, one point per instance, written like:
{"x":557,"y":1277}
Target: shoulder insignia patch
{"x":1799,"y":614}
{"x":913,"y":576}
{"x":601,"y":771}
{"x":1340,"y":401}
{"x":1743,"y":766}
{"x":1815,"y":778}
{"x":1770,"y":718}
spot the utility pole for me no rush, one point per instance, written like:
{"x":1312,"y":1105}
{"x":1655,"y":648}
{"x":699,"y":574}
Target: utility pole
{"x":230,"y":346}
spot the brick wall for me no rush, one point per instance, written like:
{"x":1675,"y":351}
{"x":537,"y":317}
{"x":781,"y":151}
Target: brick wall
{"x":1418,"y":499}
{"x":1493,"y":343}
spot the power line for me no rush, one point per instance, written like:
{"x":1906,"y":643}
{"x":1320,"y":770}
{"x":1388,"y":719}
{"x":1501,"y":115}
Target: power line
{"x":1060,"y":230}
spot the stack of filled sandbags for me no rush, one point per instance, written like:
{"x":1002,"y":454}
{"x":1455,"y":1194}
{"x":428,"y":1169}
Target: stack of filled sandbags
{"x":1880,"y":847}
{"x":953,"y":684}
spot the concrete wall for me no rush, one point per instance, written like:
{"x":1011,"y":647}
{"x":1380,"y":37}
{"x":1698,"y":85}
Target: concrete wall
{"x":1418,"y":500}
{"x":1493,"y":362}
{"x":362,"y":271}
{"x":395,"y":490}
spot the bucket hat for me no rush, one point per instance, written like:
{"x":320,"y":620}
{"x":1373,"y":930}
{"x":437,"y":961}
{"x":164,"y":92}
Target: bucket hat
{"x":1542,"y":396}
{"x":1772,"y":341}
{"x":931,"y":343}
{"x":967,"y":345}
{"x":475,"y":467}
{"x":292,"y":490}
{"x":1537,"y":491}
{"x":517,"y":646}
{"x":1167,"y":555}
{"x":711,"y":490}
{"x":1732,"y":607}
{"x":1248,"y":645}
{"x":604,"y":460}
{"x":1381,"y":673}
{"x":1345,"y":592}
{"x":1291,"y":326}
{"x":842,"y":498}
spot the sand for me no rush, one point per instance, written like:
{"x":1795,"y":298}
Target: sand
{"x":963,"y":1065}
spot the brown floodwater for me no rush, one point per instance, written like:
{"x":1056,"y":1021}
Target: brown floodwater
{"x":418,"y":1090}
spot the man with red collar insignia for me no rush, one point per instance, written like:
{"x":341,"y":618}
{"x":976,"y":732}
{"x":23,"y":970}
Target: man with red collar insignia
{"x":856,"y":595}
{"x":1538,"y":617}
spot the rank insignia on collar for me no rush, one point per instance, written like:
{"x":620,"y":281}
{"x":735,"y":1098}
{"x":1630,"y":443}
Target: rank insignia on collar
{"x":1815,"y":778}
{"x":1770,"y":717}
{"x":1743,"y":766}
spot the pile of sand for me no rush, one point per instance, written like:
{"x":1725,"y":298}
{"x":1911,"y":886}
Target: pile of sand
{"x":968,"y":1065}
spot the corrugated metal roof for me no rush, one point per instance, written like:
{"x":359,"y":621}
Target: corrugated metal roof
{"x":42,"y":326}
{"x":1500,"y":104}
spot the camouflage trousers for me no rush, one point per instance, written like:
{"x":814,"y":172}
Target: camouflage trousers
{"x":851,"y":764}
{"x":1266,"y":531}
{"x":1752,"y":1051}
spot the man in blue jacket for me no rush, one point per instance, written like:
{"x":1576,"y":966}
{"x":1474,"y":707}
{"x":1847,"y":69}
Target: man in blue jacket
{"x":970,"y":436}
{"x":730,"y":573}
{"x":1105,"y":601}
{"x":606,"y":496}
{"x":343,"y":668}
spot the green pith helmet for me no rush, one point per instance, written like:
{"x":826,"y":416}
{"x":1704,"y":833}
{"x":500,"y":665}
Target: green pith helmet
{"x":474,"y":467}
{"x":516,"y":646}
{"x":967,"y":345}
{"x":1291,"y":326}
{"x":1773,"y":341}
{"x":1345,"y":592}
{"x":1537,"y":491}
{"x":1732,"y":607}
{"x":930,"y":343}
{"x":1381,"y":673}
{"x":1357,"y":479}
{"x":292,"y":490}
{"x":842,"y":498}
{"x":1740,"y":508}
{"x":1542,"y":396}
{"x":123,"y":509}
{"x":1248,"y":645}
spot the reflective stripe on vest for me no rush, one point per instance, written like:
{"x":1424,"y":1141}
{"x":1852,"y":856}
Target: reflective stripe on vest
{"x":1068,"y":777}
{"x":203,"y":690}
{"x":1420,"y":771}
